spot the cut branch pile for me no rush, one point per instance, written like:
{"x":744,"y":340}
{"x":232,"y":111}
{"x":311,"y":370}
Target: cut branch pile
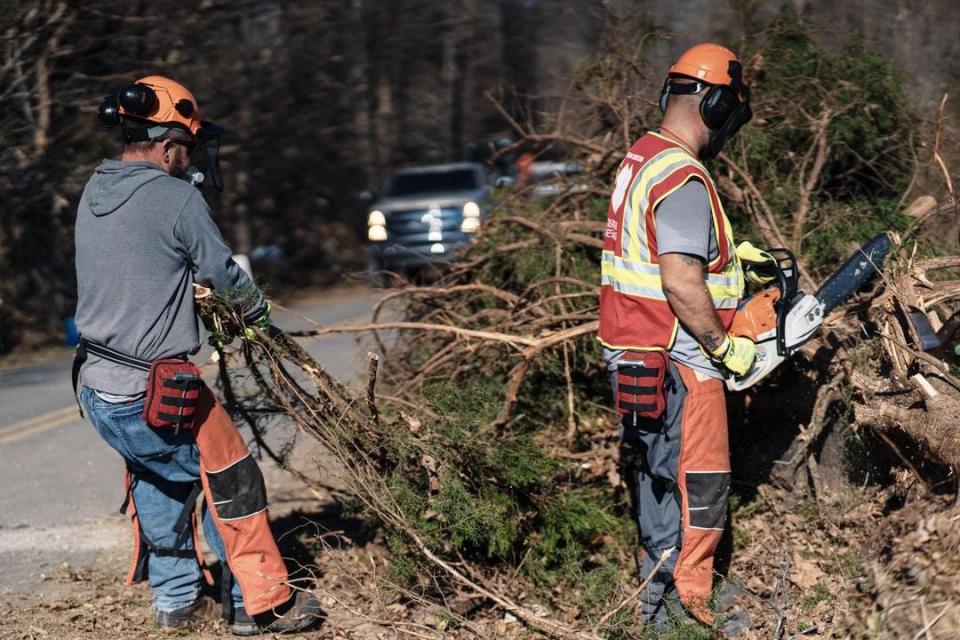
{"x":377,"y":448}
{"x":918,"y":395}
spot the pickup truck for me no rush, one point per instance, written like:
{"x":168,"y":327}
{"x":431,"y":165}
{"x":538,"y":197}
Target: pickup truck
{"x":425,"y":215}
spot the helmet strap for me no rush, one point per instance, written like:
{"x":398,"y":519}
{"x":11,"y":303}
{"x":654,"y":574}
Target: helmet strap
{"x":146,"y":132}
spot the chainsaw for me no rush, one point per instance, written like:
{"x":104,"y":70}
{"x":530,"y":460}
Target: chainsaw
{"x":781,"y":318}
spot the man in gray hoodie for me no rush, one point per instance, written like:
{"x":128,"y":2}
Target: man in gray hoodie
{"x":144,"y":238}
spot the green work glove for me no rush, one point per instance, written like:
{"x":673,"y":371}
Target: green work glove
{"x":736,"y":354}
{"x":262,"y":323}
{"x":759,"y":267}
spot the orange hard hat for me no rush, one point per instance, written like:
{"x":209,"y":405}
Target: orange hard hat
{"x":170,"y":103}
{"x":707,"y":62}
{"x":725,"y":105}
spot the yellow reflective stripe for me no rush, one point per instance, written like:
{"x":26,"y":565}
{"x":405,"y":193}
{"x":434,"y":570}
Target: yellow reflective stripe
{"x":629,"y":210}
{"x":727,"y":228}
{"x":727,"y":278}
{"x":613,"y":260}
{"x":682,"y":161}
{"x":647,"y":286}
{"x":633,"y":270}
{"x":651,"y":177}
{"x":631,"y":289}
{"x":643,"y":280}
{"x":655,"y":170}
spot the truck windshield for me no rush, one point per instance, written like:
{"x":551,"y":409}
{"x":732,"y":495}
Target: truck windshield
{"x":407,"y":184}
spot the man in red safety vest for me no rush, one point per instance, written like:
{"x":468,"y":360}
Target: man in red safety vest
{"x":671,"y":283}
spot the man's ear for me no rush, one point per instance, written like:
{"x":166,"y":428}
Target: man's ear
{"x":166,"y":150}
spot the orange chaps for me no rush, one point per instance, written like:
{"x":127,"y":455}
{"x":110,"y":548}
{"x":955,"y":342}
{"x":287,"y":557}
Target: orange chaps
{"x":680,"y":481}
{"x":236,"y":496}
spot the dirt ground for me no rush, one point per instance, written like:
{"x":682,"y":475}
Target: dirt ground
{"x":880,"y":564}
{"x":877,"y":561}
{"x":885,"y":565}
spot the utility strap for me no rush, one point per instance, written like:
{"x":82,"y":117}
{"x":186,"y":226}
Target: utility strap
{"x":115,"y":356}
{"x":636,"y":390}
{"x":226,"y":591}
{"x":79,"y":357}
{"x":172,"y":553}
{"x":182,"y":526}
{"x":85,"y":347}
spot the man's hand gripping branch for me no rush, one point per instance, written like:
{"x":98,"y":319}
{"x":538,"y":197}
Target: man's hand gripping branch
{"x":687,"y":294}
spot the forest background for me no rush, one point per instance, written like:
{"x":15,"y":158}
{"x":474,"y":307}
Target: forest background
{"x":323,"y":99}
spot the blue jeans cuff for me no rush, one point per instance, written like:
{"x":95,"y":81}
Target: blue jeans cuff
{"x":168,"y":606}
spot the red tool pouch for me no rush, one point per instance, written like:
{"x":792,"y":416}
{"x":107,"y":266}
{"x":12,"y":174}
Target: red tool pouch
{"x":173,"y":392}
{"x":640,"y":382}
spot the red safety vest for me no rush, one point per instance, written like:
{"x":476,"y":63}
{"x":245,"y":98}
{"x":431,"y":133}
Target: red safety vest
{"x":634,"y":313}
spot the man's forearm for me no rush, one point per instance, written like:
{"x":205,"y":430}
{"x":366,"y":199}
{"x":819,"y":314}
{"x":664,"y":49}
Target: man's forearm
{"x":687,"y":295}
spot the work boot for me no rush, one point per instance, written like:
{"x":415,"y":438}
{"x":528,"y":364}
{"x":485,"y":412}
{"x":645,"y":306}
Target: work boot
{"x":299,"y":613}
{"x":192,"y":614}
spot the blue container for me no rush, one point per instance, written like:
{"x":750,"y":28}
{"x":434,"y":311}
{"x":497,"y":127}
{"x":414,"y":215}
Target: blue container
{"x":71,"y":335}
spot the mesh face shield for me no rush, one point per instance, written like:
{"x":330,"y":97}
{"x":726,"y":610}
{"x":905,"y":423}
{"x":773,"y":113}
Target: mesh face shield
{"x":205,"y":160}
{"x":741,"y":115}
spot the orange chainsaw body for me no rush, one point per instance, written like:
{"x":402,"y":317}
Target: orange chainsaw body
{"x":757,"y":317}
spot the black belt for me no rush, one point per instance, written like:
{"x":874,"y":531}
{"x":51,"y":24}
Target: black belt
{"x":85,"y":347}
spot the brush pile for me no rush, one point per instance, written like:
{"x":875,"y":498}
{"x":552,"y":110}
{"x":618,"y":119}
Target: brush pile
{"x":485,"y":446}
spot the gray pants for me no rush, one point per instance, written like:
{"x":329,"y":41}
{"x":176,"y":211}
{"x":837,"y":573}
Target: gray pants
{"x":678,"y":471}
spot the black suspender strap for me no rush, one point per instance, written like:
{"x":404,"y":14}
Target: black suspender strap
{"x":79,"y":357}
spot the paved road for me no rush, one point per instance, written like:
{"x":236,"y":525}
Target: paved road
{"x":60,"y":485}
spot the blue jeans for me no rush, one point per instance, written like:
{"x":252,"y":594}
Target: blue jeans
{"x":163,"y":469}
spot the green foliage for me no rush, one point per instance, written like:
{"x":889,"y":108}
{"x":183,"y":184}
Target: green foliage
{"x":818,"y":594}
{"x":476,"y":517}
{"x":848,"y":107}
{"x":487,"y":512}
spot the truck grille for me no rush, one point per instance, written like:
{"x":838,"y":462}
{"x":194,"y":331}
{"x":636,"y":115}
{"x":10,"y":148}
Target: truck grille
{"x":415,"y":225}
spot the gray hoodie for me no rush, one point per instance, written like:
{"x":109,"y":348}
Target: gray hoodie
{"x":143,"y":238}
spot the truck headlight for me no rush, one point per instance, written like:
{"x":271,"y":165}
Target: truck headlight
{"x":376,"y":233}
{"x":471,"y":218}
{"x":376,"y":217}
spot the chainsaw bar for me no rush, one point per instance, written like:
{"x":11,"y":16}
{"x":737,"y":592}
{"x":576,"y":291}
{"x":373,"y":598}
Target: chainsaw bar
{"x":854,"y":273}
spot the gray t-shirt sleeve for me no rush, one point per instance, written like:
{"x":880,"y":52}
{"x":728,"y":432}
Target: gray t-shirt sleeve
{"x":684,"y":222}
{"x":211,"y":257}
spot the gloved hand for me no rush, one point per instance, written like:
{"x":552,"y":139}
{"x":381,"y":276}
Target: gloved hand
{"x":262,"y":323}
{"x":759,"y":267}
{"x":736,"y":354}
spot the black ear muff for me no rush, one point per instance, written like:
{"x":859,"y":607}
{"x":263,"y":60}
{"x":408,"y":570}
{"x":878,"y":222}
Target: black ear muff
{"x":717,"y":105}
{"x":138,"y":99}
{"x":108,"y":113}
{"x":184,"y":107}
